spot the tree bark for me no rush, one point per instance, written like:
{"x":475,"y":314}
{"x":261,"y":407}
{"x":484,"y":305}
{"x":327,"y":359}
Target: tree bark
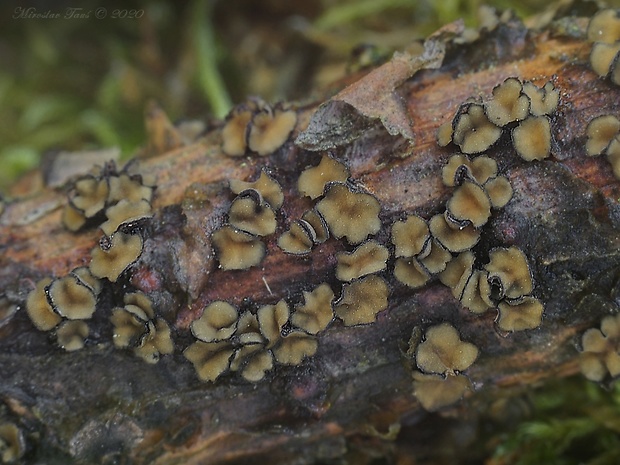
{"x":103,"y":405}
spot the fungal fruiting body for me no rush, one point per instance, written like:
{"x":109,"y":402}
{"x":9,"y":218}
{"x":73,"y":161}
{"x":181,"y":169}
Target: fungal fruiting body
{"x":604,"y":34}
{"x":600,"y":355}
{"x":603,"y":134}
{"x":441,"y":358}
{"x":12,"y":443}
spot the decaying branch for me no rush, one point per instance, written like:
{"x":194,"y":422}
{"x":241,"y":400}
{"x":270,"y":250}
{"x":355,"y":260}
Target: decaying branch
{"x":104,"y":405}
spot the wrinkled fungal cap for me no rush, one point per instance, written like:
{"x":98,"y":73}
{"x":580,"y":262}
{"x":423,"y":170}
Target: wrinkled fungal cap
{"x":477,"y":293}
{"x":85,"y":277}
{"x":123,"y":251}
{"x":469,"y":204}
{"x":600,"y":356}
{"x":508,"y":103}
{"x":444,"y":134}
{"x":71,"y":299}
{"x":410,"y":236}
{"x":155,"y":342}
{"x":525,"y":313}
{"x":252,"y":363}
{"x":140,"y":301}
{"x":362,"y":300}
{"x":210,"y":359}
{"x":613,"y":155}
{"x":460,"y":168}
{"x":457,"y":273}
{"x":352,"y":215}
{"x":473,"y":132}
{"x":268,"y":188}
{"x":509,"y":266}
{"x":317,"y":312}
{"x":70,"y":335}
{"x":370,"y":257}
{"x":294,"y":347}
{"x":234,"y":132}
{"x":312,"y":181}
{"x":129,"y":327}
{"x":532,"y":138}
{"x":499,"y":191}
{"x":604,"y":26}
{"x":542,"y":101}
{"x":269,"y":129}
{"x":410,"y":272}
{"x":125,"y":211}
{"x":435,"y":391}
{"x":602,"y":57}
{"x":453,"y":239}
{"x":12,"y":443}
{"x":435,"y":261}
{"x":39,"y":309}
{"x":601,"y":131}
{"x":271,"y":320}
{"x":130,"y":188}
{"x":297,"y":240}
{"x":237,"y":250}
{"x":247,"y":214}
{"x":90,"y":195}
{"x":217,"y":322}
{"x":443,"y":351}
{"x":318,"y":224}
{"x":72,"y":218}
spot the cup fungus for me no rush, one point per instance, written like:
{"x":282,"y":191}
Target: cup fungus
{"x":248,"y":214}
{"x":265,"y":185}
{"x":136,"y":326}
{"x":294,"y":347}
{"x":210,"y":359}
{"x":604,"y":32}
{"x":110,"y":262}
{"x":453,"y":238}
{"x":312,"y":181}
{"x":39,"y":309}
{"x":237,"y":250}
{"x":476,"y":296}
{"x":436,"y":259}
{"x":604,"y":26}
{"x":532,"y":138}
{"x":314,"y":220}
{"x":297,"y":240}
{"x":519,"y":314}
{"x":370,"y":257}
{"x":234,"y":132}
{"x":123,"y":212}
{"x":543,"y":101}
{"x":443,"y":351}
{"x":601,"y":131}
{"x":472,"y":130}
{"x":90,"y":195}
{"x":457,"y":273}
{"x":410,"y":236}
{"x":411,"y":272}
{"x":271,"y":320}
{"x":270,"y":128}
{"x":71,"y":299}
{"x":613,"y":155}
{"x":361,"y":300}
{"x":508,"y":103}
{"x":317,"y":312}
{"x":469,"y":204}
{"x":441,"y":357}
{"x":12,"y":443}
{"x":352,"y":215}
{"x":600,"y":355}
{"x":460,"y":168}
{"x":130,"y":188}
{"x":499,"y":191}
{"x":71,"y":334}
{"x":217,"y":322}
{"x":509,"y":267}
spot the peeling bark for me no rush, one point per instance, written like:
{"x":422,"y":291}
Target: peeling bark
{"x":101,"y":405}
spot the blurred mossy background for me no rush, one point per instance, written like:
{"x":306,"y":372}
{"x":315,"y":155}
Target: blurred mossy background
{"x":82,"y":83}
{"x":76,"y":84}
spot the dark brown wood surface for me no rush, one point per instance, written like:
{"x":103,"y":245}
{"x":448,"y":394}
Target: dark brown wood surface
{"x":103,"y":405}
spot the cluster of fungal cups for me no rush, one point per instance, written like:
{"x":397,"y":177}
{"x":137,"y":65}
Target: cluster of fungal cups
{"x":119,"y":202}
{"x":604,"y":34}
{"x":600,"y":350}
{"x":603,"y":134}
{"x":257,"y":127}
{"x":521,"y":108}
